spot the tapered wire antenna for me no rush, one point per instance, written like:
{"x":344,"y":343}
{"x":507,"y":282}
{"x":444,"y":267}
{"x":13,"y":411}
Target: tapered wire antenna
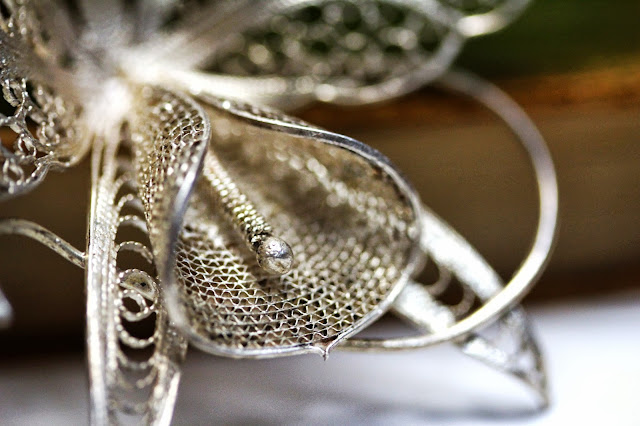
{"x":12,"y":226}
{"x":45,"y":237}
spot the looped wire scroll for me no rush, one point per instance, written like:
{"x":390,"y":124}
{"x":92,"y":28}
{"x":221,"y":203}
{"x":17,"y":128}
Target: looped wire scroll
{"x":43,"y":130}
{"x":45,"y":133}
{"x":134,"y":351}
{"x":348,"y":215}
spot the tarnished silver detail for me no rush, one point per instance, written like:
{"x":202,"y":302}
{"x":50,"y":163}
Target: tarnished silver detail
{"x":274,"y":255}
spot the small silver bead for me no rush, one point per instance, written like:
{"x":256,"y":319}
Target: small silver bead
{"x":274,"y":255}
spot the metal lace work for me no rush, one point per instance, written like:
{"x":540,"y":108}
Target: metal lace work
{"x":42,"y":128}
{"x":133,"y":375}
{"x":232,"y":226}
{"x":352,"y":228}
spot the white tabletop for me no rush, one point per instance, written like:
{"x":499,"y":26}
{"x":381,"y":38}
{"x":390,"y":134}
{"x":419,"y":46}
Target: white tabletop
{"x":592,"y":348}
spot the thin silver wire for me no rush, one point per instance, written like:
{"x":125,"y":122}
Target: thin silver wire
{"x":12,"y":226}
{"x":492,"y":21}
{"x":45,"y":237}
{"x":529,"y":271}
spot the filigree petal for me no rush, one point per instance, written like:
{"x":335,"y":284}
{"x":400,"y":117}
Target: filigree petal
{"x":508,"y":345}
{"x":348,"y":216}
{"x":285,"y":53}
{"x":134,"y":352}
{"x":170,"y":132}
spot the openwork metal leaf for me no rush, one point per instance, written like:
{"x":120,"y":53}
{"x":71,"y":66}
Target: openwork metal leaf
{"x":335,"y":51}
{"x":288,"y":52}
{"x":348,"y":216}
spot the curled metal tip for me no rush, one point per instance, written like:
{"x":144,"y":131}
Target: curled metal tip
{"x":274,"y":255}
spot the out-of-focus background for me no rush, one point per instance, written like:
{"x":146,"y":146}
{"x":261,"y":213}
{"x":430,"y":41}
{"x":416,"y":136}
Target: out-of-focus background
{"x":574,"y":66}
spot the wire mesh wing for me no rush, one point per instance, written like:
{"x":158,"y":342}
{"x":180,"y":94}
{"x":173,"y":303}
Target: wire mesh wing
{"x":285,"y":53}
{"x":349,"y":218}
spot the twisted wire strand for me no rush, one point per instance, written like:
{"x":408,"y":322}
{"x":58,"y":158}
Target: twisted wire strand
{"x":12,"y":226}
{"x":273,"y":254}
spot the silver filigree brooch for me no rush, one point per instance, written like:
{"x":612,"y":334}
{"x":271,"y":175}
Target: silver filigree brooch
{"x":231,"y":226}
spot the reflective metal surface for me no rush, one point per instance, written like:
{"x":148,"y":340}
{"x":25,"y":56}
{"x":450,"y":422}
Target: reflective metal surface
{"x":230,"y":225}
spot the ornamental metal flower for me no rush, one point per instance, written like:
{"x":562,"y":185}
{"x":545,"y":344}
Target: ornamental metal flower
{"x":230,"y":225}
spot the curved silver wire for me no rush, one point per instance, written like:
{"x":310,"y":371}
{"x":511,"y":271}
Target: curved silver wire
{"x":11,"y":226}
{"x":490,"y":22}
{"x":45,"y":237}
{"x":529,"y":271}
